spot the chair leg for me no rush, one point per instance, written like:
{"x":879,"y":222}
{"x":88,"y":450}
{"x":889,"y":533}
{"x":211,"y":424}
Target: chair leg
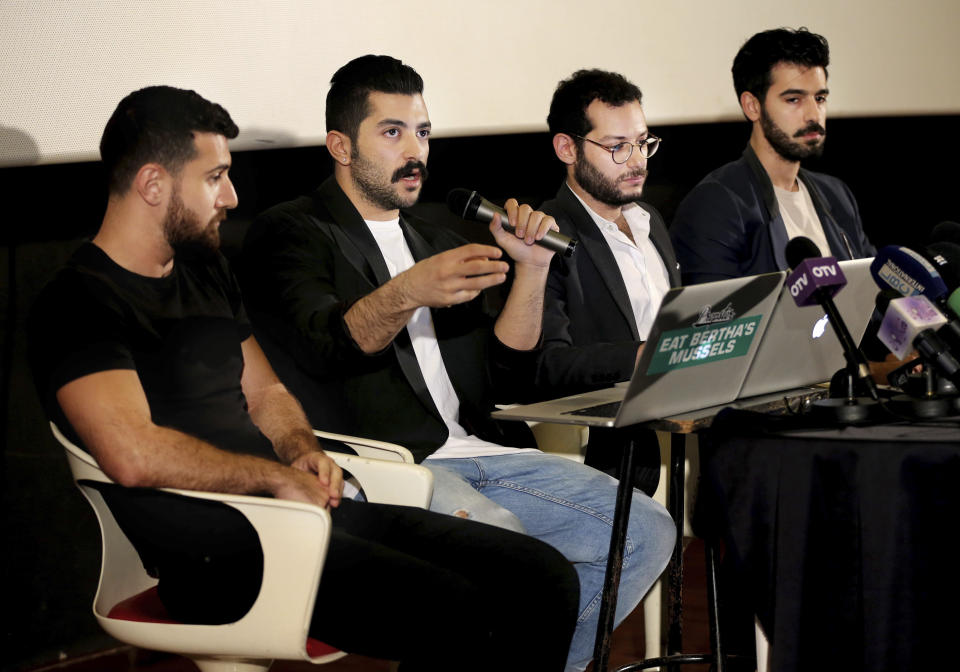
{"x":763,"y":647}
{"x":228,"y":665}
{"x":652,"y":621}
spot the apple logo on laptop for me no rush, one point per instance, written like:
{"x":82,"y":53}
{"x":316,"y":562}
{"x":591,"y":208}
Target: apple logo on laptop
{"x":820,"y":326}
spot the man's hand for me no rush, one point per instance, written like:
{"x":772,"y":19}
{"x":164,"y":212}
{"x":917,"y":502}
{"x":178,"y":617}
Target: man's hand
{"x":314,"y":478}
{"x":639,"y":355}
{"x":452,"y":277}
{"x":529,"y":226}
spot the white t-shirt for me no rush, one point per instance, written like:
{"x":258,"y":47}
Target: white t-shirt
{"x":396,"y":254}
{"x":800,"y":217}
{"x":643,"y":271}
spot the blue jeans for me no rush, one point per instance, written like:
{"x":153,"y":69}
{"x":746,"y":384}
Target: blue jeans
{"x":570,"y":506}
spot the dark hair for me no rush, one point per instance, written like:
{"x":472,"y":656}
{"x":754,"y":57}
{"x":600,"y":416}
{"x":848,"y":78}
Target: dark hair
{"x":348,"y":99}
{"x":156,"y":125}
{"x":757,"y":57}
{"x":568,"y":109}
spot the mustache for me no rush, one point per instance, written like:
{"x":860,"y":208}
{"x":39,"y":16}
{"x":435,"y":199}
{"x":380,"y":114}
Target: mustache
{"x":812,"y":127}
{"x":408,"y":169}
{"x":639,"y":172}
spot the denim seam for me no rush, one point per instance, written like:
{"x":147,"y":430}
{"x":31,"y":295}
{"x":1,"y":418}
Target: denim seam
{"x":629,"y":546}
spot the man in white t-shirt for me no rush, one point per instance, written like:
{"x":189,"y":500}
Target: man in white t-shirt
{"x":738,"y":219}
{"x":383,"y":317}
{"x":601,"y":303}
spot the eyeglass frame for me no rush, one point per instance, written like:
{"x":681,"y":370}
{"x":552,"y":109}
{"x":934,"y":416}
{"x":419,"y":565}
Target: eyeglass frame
{"x":643,"y":143}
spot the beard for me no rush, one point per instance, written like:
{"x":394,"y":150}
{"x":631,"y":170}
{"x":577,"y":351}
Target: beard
{"x":186,"y":234}
{"x":790,"y":149}
{"x":602,"y":187}
{"x":371,"y":183}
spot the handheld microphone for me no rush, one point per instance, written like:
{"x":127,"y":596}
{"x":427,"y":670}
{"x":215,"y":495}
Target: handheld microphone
{"x":928,"y":273}
{"x":945,"y":256}
{"x":471,"y":205}
{"x":948,"y":232}
{"x":815,"y":280}
{"x":910,"y":323}
{"x":907,"y":272}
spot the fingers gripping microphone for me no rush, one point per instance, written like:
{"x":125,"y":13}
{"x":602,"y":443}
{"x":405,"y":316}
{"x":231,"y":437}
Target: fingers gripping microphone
{"x":471,"y":205}
{"x":814,"y":281}
{"x":910,"y":322}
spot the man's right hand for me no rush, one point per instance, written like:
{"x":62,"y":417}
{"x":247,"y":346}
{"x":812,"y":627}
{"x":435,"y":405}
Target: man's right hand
{"x":452,"y":277}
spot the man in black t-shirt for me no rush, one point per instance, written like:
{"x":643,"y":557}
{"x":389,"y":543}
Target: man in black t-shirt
{"x":142,"y":353}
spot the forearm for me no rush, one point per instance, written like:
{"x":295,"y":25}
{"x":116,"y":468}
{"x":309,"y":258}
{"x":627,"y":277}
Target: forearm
{"x":521,"y":321}
{"x":564,"y":369}
{"x":375,"y":320}
{"x":160,"y":457}
{"x":281,"y":419}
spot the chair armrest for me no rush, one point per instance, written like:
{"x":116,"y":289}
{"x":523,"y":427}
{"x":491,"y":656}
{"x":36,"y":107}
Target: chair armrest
{"x":294,"y":539}
{"x":389,"y":482}
{"x":380,"y":450}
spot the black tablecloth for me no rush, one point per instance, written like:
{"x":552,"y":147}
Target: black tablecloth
{"x":846,"y":539}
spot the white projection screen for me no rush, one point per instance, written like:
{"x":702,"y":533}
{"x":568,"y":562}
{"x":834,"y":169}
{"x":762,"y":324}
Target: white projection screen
{"x":489,"y":66}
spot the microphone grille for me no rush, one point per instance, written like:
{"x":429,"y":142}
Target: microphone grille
{"x":800,"y":248}
{"x":457,"y":201}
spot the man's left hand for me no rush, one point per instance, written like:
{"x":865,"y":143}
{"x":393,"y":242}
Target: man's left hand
{"x":327,"y":472}
{"x":529,"y":226}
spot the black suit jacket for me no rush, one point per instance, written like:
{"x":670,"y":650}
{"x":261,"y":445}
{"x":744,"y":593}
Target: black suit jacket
{"x":730,"y":226}
{"x":304,"y":263}
{"x":590,"y":336}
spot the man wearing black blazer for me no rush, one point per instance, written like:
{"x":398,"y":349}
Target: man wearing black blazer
{"x":385,"y":312}
{"x":601,"y":302}
{"x":738,"y":219}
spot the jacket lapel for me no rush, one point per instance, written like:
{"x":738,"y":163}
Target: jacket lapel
{"x":358,"y":245}
{"x":594,"y":244}
{"x":661,"y":241}
{"x":775,"y":226}
{"x":350,"y":232}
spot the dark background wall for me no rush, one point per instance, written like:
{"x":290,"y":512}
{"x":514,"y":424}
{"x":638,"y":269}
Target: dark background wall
{"x":903,"y":171}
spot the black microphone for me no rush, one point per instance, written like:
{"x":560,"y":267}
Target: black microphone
{"x":471,"y":205}
{"x":945,"y":232}
{"x":818,"y":280}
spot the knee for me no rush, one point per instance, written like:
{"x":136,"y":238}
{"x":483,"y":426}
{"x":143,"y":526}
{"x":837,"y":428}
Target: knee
{"x":492,"y":515}
{"x":652,"y":530}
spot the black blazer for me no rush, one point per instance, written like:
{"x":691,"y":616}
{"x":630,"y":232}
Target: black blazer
{"x":590,"y":336}
{"x":729,"y":225}
{"x":304,"y":263}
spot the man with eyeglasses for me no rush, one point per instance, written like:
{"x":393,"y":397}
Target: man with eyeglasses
{"x":738,"y":220}
{"x":601,"y":302}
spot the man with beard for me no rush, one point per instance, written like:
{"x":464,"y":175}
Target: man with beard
{"x":382,"y":320}
{"x":143,"y":354}
{"x":738,"y":220}
{"x":601,"y":303}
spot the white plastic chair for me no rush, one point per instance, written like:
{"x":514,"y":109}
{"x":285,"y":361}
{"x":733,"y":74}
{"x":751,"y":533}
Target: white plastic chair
{"x":293,"y":538}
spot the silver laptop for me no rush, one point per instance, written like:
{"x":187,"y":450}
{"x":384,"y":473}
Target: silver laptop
{"x":800,"y":346}
{"x":697,"y":355}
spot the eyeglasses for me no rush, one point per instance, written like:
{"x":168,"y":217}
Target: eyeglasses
{"x":622,"y":151}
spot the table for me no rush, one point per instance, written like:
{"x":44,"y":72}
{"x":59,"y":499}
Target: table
{"x":843,"y":537}
{"x":679,"y":425}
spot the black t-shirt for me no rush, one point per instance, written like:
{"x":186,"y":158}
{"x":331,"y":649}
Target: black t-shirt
{"x":180,"y":333}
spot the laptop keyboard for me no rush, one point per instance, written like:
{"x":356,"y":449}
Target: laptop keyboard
{"x":608,"y":410}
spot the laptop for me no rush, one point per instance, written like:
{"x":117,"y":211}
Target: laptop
{"x":800,"y":347}
{"x":698,"y":353}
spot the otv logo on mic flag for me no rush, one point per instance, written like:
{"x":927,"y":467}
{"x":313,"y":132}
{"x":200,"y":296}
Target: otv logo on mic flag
{"x":815,"y":273}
